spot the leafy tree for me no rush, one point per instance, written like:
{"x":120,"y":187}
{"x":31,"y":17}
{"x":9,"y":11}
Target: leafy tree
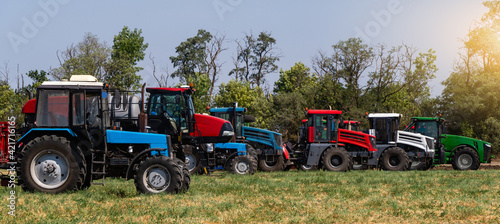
{"x":294,"y":79}
{"x":199,"y":55}
{"x":201,"y":98}
{"x":470,"y":100}
{"x":191,"y":55}
{"x":128,"y":49}
{"x":258,"y":56}
{"x":236,"y":91}
{"x":38,"y":78}
{"x":87,"y":57}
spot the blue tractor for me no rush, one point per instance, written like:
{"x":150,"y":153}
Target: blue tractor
{"x":73,"y":141}
{"x":267,"y":145}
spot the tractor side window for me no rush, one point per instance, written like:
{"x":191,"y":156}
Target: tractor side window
{"x":321,"y":128}
{"x":78,"y":109}
{"x":53,"y":108}
{"x":154,"y":107}
{"x":381,"y":130}
{"x":92,"y":111}
{"x":238,"y":123}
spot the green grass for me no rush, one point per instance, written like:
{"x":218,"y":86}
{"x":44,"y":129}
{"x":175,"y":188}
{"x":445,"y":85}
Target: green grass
{"x":282,"y":197}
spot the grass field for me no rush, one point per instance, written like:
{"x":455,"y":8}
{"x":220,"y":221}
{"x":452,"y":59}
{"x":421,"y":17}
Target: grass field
{"x":282,"y":197}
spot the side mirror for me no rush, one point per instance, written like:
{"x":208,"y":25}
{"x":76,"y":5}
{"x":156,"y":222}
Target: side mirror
{"x":125,"y":100}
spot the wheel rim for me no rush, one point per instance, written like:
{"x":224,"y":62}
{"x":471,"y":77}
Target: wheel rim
{"x":270,"y":164}
{"x":394,"y":160}
{"x":306,"y":167}
{"x":49,"y":169}
{"x":190,"y":162}
{"x":242,"y":167}
{"x":157,"y":178}
{"x":464,"y":161}
{"x":336,"y":161}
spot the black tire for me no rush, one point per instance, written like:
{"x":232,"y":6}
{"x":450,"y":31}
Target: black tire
{"x":251,"y":151}
{"x":267,"y":166}
{"x":394,"y":159}
{"x":360,"y":167}
{"x":336,"y":159}
{"x":465,"y":158}
{"x":186,"y":176}
{"x":158,"y":174}
{"x":422,"y":165}
{"x":244,"y":164}
{"x":48,"y":164}
{"x":193,"y":163}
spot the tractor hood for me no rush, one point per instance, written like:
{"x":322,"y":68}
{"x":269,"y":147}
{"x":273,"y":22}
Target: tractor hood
{"x":212,"y":129}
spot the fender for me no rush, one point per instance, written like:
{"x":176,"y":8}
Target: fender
{"x":137,"y":159}
{"x":285,"y":152}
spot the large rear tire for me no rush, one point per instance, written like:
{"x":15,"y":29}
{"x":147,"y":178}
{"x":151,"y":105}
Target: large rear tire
{"x":394,"y":159}
{"x":48,"y":164}
{"x":244,"y":164}
{"x":158,"y":174}
{"x":270,"y":166}
{"x":336,"y":159}
{"x":465,"y":159}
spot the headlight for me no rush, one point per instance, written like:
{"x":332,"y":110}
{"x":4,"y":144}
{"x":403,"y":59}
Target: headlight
{"x":210,"y":147}
{"x":228,"y":133}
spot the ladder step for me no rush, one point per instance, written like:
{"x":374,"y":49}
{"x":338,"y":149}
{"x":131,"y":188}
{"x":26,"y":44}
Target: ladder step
{"x":100,"y":173}
{"x":98,"y":162}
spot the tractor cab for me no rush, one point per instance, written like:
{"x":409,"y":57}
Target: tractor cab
{"x":76,"y":105}
{"x":384,"y":126}
{"x":236,"y":115}
{"x":432,"y":127}
{"x":171,"y":111}
{"x":322,"y":125}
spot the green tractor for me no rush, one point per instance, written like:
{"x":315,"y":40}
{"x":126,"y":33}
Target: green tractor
{"x":462,"y":152}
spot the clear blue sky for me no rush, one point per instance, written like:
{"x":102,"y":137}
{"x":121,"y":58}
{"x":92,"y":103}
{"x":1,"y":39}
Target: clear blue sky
{"x":301,"y":28}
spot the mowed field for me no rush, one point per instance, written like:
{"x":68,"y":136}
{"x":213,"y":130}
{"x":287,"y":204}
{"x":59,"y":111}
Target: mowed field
{"x":370,"y":196}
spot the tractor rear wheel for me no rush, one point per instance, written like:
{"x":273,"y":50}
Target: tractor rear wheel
{"x":465,"y":159}
{"x":270,"y":166}
{"x":193,"y":163}
{"x":48,"y":164}
{"x":394,"y":159}
{"x":244,"y":164}
{"x":186,"y":176}
{"x":336,"y":159}
{"x":158,"y":174}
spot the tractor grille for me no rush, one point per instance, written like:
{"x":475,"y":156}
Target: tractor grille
{"x":487,"y":152}
{"x":430,"y":143}
{"x":409,"y":138}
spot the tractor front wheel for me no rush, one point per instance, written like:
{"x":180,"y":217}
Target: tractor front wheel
{"x":244,"y":164}
{"x":465,"y":159}
{"x":270,"y":166}
{"x":336,"y":159}
{"x":394,"y":159}
{"x":48,"y":164}
{"x":185,"y":175}
{"x":193,"y":163}
{"x":158,"y":174}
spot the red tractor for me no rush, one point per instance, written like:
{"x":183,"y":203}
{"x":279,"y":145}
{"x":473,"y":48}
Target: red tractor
{"x":322,"y":144}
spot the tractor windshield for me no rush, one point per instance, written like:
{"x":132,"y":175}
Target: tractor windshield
{"x":428,"y":128}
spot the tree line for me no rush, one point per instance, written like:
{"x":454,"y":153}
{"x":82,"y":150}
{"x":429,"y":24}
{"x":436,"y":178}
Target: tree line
{"x":350,"y":76}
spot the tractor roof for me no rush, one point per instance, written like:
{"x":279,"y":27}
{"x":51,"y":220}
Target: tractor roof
{"x":324,"y":112}
{"x":427,"y":118}
{"x":382,"y":115}
{"x":76,"y":81}
{"x":164,"y":89}
{"x":351,"y":122}
{"x":226,"y":109}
